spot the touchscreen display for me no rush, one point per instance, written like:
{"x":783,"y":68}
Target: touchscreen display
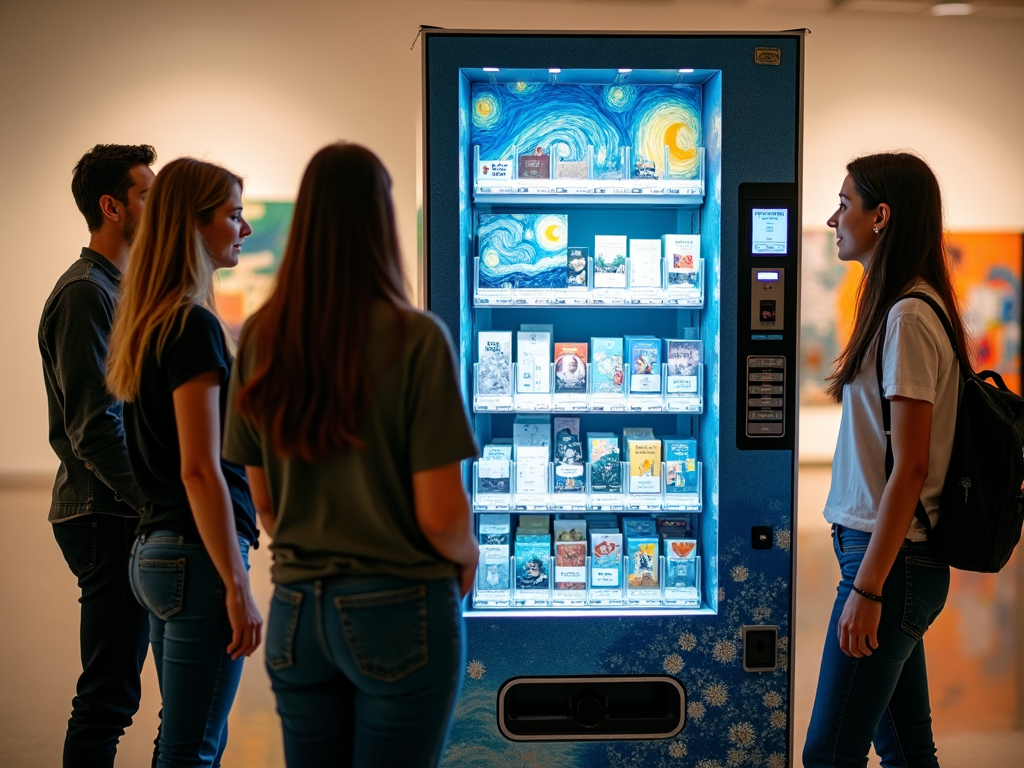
{"x":769,"y":229}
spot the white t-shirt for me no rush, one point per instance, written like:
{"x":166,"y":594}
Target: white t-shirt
{"x":917,"y":362}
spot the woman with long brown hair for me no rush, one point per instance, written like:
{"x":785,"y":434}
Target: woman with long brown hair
{"x":350,"y":423}
{"x":169,"y":361}
{"x":873,"y":685}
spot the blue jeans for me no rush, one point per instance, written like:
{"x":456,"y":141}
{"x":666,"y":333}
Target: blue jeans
{"x":174,"y":578}
{"x":366,"y":670}
{"x":113,"y":634}
{"x":881,"y":698}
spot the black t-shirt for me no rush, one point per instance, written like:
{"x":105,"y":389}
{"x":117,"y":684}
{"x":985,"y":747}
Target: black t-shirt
{"x":152,"y":433}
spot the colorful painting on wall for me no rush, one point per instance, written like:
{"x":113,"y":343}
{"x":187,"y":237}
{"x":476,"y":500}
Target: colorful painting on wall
{"x":241,"y":291}
{"x":987,"y":274}
{"x":543,"y":118}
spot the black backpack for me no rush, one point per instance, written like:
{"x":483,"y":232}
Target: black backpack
{"x":981,"y":510}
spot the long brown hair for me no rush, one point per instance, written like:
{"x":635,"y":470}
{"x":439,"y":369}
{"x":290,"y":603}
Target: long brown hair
{"x":910,"y":247}
{"x":310,"y":386}
{"x":169,"y":267}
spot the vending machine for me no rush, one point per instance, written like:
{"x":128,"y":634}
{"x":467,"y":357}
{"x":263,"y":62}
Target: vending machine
{"x":611,"y":233}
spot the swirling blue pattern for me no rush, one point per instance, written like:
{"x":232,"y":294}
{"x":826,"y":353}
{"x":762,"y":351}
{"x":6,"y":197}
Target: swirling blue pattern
{"x":523,"y":250}
{"x":569,"y":119}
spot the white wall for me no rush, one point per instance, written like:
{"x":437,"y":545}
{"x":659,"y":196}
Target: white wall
{"x":260,"y":85}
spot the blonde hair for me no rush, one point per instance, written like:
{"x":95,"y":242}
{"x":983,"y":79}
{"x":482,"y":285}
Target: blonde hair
{"x":169,"y":269}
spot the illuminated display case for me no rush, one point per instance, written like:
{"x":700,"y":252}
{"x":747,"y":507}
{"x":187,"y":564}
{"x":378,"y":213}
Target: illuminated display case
{"x":609,"y":230}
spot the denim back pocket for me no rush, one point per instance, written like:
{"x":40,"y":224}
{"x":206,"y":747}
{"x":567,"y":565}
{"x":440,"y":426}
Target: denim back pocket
{"x":927,"y":588}
{"x":77,"y":540}
{"x":161,"y":585}
{"x":284,"y":619}
{"x":386,"y":631}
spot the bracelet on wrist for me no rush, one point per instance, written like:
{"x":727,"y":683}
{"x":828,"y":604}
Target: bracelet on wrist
{"x":870,"y":596}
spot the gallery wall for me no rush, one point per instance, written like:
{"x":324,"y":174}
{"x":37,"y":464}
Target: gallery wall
{"x":260,"y":85}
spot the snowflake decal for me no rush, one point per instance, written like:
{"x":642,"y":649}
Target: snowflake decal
{"x":708,"y":764}
{"x":775,"y":760}
{"x":673,"y":664}
{"x":773,"y":699}
{"x":778,"y":719}
{"x":687,"y":641}
{"x":736,"y":757}
{"x":695,"y":711}
{"x":739,"y":573}
{"x":716,"y":695}
{"x":721,"y":594}
{"x":783,"y":538}
{"x":762,"y":614}
{"x":724,"y":651}
{"x":742,"y":734}
{"x":677,"y":749}
{"x":476,"y":669}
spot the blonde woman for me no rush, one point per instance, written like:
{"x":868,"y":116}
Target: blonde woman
{"x":169,"y":362}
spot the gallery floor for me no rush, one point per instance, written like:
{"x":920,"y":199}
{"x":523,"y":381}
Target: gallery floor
{"x":974,"y":652}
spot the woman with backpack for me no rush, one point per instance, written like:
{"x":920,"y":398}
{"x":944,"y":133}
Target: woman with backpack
{"x":873,"y":684}
{"x":348,"y":418}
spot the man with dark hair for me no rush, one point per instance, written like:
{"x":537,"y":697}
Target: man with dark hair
{"x":96,"y":504}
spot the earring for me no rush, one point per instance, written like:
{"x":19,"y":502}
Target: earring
{"x":875,"y":230}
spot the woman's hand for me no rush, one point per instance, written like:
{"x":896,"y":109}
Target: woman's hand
{"x":246,"y":622}
{"x":858,"y":626}
{"x":467,"y":575}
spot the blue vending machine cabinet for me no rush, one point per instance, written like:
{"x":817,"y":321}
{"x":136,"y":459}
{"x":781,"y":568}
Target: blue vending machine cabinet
{"x":610,"y":231}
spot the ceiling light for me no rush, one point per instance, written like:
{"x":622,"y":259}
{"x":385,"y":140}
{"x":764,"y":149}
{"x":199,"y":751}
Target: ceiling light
{"x":952,"y":9}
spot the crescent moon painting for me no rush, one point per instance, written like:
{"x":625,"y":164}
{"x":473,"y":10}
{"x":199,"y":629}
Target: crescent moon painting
{"x":523,"y":250}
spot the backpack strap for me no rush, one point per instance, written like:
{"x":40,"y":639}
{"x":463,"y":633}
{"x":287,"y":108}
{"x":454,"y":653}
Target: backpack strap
{"x":919,"y":511}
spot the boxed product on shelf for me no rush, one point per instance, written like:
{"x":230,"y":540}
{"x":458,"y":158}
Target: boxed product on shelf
{"x":683,"y":358}
{"x":493,"y":529}
{"x":642,"y":554}
{"x":638,"y":526}
{"x":683,"y":255}
{"x":523,"y":250}
{"x":494,"y":371}
{"x":533,"y":361}
{"x":605,"y":559}
{"x":533,"y":559}
{"x":576,"y":275}
{"x":531,"y":429}
{"x":499,"y":449}
{"x":570,"y":367}
{"x":536,"y":165}
{"x":644,"y":356}
{"x":494,"y":476}
{"x":680,"y":564}
{"x":570,"y":565}
{"x":610,"y":261}
{"x":569,"y":469}
{"x":567,"y":425}
{"x":492,"y":569}
{"x":680,"y":465}
{"x":644,"y":263}
{"x":606,"y":370}
{"x":532,"y":469}
{"x":605,"y":462}
{"x":644,"y":465}
{"x":677,"y":525}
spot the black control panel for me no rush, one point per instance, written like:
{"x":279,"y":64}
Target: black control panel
{"x":768,"y":303}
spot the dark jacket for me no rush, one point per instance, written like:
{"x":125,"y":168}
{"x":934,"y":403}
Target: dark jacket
{"x":86,"y":431}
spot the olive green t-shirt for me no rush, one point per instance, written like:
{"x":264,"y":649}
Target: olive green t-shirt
{"x":352,"y":514}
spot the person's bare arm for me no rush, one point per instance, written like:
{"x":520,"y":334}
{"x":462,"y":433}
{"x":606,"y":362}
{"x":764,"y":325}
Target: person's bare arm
{"x":442,"y":513}
{"x":197,"y":415}
{"x":261,"y":498}
{"x":911,"y":442}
